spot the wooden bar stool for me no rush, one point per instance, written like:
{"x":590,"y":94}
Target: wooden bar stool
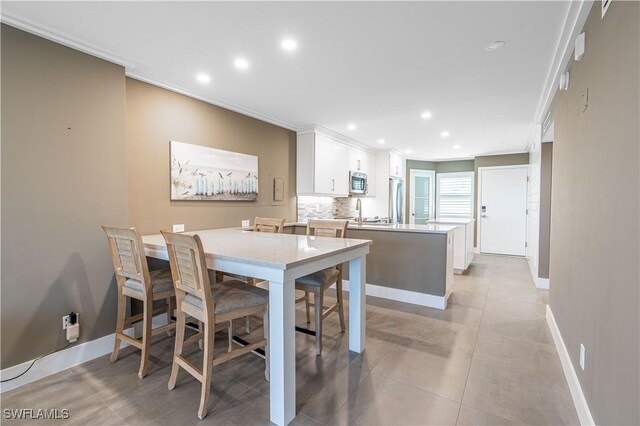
{"x":211,"y":304}
{"x":135,"y":281}
{"x":318,"y":282}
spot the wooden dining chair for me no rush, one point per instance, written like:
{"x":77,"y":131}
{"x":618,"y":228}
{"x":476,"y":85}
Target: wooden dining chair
{"x":318,"y":282}
{"x":260,"y":224}
{"x":135,"y":281}
{"x":211,"y":303}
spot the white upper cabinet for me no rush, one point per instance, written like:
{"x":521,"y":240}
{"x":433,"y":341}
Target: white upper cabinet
{"x":322,"y":166}
{"x":396,"y":165}
{"x":358,"y":160}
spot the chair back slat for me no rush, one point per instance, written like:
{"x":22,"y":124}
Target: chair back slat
{"x":267,"y":224}
{"x":127,"y":254}
{"x":327,"y":228}
{"x":189,"y":267}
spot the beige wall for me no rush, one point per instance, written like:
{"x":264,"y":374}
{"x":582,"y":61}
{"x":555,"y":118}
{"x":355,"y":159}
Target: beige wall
{"x":155,"y":116}
{"x":544,"y":235}
{"x":63,"y":175}
{"x":594,"y":276}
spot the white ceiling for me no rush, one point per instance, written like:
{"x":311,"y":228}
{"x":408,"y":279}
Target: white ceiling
{"x":378,"y":65}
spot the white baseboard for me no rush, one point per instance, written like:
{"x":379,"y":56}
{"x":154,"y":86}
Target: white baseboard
{"x":579,"y":401}
{"x":542,"y":283}
{"x":422,"y":299}
{"x":67,"y":358}
{"x":476,"y":250}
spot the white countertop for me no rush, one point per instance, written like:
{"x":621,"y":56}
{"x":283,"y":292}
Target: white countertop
{"x":282,"y":251}
{"x":433,"y":228}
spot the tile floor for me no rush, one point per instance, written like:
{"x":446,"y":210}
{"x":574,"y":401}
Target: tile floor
{"x":487,"y":359}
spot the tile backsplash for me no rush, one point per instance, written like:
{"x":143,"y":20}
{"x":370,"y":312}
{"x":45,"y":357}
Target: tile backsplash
{"x":310,"y":207}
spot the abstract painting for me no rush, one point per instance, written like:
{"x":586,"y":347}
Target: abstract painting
{"x":203,"y":173}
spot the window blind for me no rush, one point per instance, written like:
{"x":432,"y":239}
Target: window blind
{"x":455,"y":195}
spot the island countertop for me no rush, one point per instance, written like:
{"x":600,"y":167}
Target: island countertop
{"x":431,"y":228}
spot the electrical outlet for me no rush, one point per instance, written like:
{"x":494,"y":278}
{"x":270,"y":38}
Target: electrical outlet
{"x":65,"y":321}
{"x":583,"y":355}
{"x":246,"y":223}
{"x":178,"y":228}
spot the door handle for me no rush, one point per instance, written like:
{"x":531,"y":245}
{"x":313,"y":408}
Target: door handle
{"x":484,"y":215}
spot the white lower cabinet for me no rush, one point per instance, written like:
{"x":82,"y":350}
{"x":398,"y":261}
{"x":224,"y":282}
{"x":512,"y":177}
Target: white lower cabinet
{"x":462,"y":242}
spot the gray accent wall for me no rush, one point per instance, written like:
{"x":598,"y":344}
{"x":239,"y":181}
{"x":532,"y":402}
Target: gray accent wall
{"x":64,"y":173}
{"x":544,"y":238}
{"x":595,"y":242}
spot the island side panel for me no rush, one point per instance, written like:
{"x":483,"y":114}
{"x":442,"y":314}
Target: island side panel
{"x":404,"y":260}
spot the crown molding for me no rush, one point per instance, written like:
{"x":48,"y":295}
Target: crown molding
{"x":129,"y":65}
{"x":339,"y":137}
{"x":576,"y":17}
{"x":211,"y":101}
{"x":63,"y":39}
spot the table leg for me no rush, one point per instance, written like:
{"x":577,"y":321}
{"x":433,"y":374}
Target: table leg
{"x":282,"y":355}
{"x":357,"y":303}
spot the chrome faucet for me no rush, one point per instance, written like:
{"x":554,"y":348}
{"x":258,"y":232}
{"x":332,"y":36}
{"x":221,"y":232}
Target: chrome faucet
{"x":359,"y":209}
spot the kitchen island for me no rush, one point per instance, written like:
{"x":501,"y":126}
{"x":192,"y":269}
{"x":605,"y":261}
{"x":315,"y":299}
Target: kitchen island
{"x":408,"y":263}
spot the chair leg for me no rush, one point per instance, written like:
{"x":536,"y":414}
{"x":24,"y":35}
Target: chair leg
{"x":200,"y":342}
{"x":180,"y":328}
{"x":318,"y":303}
{"x":340,"y":304}
{"x":122,"y":311}
{"x":171,"y":306}
{"x":265,"y":321}
{"x":147,"y":317}
{"x":307,"y":303}
{"x":247,"y":324}
{"x":230,"y":334}
{"x":207,"y":366}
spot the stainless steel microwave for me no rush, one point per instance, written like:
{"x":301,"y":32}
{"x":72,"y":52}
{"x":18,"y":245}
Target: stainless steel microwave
{"x":357,"y":183}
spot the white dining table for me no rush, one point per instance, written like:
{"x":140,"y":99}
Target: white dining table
{"x":280,"y":259}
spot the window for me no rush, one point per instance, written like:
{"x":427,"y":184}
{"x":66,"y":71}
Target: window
{"x":421,"y":197}
{"x":455,"y":195}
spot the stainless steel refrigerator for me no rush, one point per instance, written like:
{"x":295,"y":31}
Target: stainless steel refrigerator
{"x":396,"y":200}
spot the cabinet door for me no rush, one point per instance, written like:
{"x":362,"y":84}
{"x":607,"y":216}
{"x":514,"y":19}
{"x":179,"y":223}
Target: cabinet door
{"x":371,"y":174}
{"x":324,"y":166}
{"x":340,"y":169}
{"x":394,"y":165}
{"x":353,"y":159}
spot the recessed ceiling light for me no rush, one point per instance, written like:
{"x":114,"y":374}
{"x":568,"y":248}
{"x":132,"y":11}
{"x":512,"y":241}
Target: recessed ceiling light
{"x":381,"y":141}
{"x":501,"y":115}
{"x":351,"y":126}
{"x":203,"y":78}
{"x":444,"y":134}
{"x":456,"y":147}
{"x":495,"y":45}
{"x":241,"y":64}
{"x":426,"y":115}
{"x":408,"y":151}
{"x":289,"y":44}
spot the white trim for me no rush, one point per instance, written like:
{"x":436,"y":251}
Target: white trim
{"x":406,"y":296}
{"x":335,"y":136}
{"x":67,"y":358}
{"x":575,"y":20}
{"x":579,"y":401}
{"x":129,"y":65}
{"x":476,"y":250}
{"x":63,"y":39}
{"x":542,"y":283}
{"x":412,"y":192}
{"x":479,"y":199}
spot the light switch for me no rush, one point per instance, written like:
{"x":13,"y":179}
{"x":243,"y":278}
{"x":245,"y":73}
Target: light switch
{"x":278,"y":189}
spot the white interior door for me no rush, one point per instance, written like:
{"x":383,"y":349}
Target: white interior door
{"x":421,"y":196}
{"x":503,"y":206}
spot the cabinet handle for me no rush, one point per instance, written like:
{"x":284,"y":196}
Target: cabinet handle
{"x":333,"y":185}
{"x":358,"y":164}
